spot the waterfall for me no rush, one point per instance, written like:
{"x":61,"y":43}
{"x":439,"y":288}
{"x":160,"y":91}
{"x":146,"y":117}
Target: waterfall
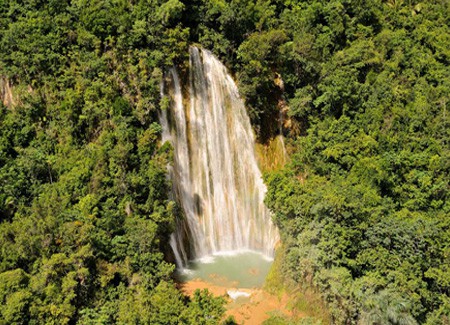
{"x":215,"y":175}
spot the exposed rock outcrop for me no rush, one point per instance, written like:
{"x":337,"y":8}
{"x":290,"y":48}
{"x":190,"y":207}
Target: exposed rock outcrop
{"x":6,"y":93}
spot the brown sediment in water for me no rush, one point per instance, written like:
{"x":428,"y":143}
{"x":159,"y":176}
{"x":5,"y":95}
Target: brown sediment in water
{"x":249,"y":311}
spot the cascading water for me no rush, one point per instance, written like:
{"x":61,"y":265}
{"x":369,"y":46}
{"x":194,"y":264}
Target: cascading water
{"x":215,"y":174}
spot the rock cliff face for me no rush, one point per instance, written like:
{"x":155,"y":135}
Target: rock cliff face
{"x":6,"y":93}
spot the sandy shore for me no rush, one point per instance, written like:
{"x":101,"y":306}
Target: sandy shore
{"x":249,"y":311}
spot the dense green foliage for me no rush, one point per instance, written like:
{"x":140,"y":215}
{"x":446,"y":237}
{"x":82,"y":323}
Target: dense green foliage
{"x":85,"y":216}
{"x":363,"y":207}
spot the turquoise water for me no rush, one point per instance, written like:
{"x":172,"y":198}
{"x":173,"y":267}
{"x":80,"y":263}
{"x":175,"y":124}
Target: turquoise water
{"x":240,"y":270}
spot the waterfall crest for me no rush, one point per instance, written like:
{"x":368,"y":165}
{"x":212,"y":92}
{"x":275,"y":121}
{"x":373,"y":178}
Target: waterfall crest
{"x":215,"y":175}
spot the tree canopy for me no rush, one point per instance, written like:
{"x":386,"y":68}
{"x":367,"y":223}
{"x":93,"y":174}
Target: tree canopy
{"x":363,"y":206}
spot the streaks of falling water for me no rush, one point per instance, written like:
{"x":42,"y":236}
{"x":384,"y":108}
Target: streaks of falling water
{"x":215,"y":175}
